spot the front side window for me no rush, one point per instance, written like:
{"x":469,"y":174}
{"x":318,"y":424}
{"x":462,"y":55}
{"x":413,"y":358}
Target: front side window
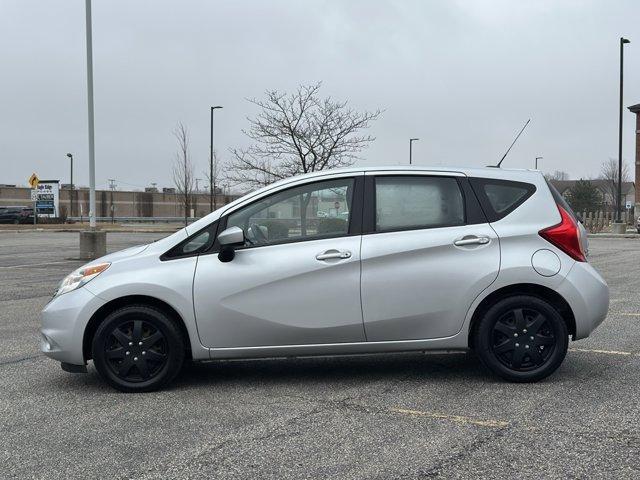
{"x":316,"y":210}
{"x":413,"y":202}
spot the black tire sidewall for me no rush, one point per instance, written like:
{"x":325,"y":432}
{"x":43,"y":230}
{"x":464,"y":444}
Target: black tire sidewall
{"x":159,"y":320}
{"x":484,"y":331}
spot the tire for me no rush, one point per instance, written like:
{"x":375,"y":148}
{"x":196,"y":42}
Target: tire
{"x":522,"y":339}
{"x":138,"y":348}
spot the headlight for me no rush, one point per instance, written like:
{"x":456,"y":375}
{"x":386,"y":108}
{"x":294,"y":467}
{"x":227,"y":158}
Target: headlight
{"x":80,"y":277}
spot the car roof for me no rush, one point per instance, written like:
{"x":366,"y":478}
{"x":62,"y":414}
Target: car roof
{"x":486,"y":172}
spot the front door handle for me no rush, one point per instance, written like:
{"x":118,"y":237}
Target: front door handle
{"x":334,"y":254}
{"x":471,"y":240}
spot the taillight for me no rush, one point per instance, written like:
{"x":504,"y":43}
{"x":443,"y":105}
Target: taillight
{"x":565,"y":236}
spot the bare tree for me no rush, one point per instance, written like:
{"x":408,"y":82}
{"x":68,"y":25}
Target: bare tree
{"x":557,"y":175}
{"x":299,"y":133}
{"x":609,"y":173}
{"x":213,"y":178}
{"x":183,"y":176}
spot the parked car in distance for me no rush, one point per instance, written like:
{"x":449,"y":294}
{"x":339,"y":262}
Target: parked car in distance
{"x":16,"y":215}
{"x":488,"y":259}
{"x":638,"y":225}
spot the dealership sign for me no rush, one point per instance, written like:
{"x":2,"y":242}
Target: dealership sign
{"x":47,"y":198}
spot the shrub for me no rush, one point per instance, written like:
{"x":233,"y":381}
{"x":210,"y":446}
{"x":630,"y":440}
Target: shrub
{"x":277,"y":229}
{"x":332,"y":225}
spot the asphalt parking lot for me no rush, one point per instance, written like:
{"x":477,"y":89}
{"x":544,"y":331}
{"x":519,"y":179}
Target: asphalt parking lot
{"x":392,"y":416}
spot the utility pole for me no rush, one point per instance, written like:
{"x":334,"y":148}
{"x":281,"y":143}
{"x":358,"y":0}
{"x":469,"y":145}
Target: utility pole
{"x":71,"y":187}
{"x":619,"y":199}
{"x":212,"y":187}
{"x":538,"y":158}
{"x":411,"y":140}
{"x":112,"y":187}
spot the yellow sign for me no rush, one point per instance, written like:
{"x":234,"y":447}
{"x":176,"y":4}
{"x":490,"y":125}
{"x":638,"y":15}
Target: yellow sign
{"x":33,"y":180}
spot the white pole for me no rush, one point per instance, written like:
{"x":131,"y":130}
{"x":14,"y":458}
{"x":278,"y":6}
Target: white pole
{"x":92,"y":160}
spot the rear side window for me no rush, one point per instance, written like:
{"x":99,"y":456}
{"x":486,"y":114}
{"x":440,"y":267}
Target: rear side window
{"x":500,"y":197}
{"x":414,"y":202}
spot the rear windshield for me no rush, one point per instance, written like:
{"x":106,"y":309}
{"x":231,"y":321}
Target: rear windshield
{"x":499,"y":198}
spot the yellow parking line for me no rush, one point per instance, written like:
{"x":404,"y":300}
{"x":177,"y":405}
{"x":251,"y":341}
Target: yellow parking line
{"x":452,"y":418}
{"x":606,"y":352}
{"x":628,"y":314}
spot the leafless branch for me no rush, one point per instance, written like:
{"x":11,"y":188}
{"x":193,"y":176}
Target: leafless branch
{"x":299,"y":133}
{"x":183,"y":176}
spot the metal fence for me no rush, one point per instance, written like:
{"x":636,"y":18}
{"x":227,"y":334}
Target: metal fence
{"x":600,"y":221}
{"x":135,"y":219}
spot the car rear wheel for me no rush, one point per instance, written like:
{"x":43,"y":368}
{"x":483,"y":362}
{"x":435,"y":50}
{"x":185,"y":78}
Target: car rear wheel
{"x":138,"y":349}
{"x":522,"y":339}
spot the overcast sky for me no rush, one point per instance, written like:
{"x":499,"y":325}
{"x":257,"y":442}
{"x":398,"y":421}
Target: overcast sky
{"x":461,"y":75}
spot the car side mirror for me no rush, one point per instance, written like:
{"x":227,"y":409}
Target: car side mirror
{"x":228,"y":239}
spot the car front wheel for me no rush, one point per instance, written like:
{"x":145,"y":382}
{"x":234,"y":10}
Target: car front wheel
{"x":522,"y":339}
{"x":138,"y":348}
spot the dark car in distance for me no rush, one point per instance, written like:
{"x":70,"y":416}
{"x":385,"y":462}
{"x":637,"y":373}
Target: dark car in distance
{"x":16,"y":215}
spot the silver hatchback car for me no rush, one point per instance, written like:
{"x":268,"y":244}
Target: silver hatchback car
{"x":359,"y":260}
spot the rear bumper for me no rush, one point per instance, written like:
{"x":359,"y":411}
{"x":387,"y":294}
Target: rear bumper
{"x":588,"y":296}
{"x":64,"y":320}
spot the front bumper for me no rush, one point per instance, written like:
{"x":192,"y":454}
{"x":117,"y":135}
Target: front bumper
{"x":64,"y":320}
{"x":588,"y":296}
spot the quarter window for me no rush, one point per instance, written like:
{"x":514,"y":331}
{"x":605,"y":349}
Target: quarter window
{"x":501,"y":197}
{"x":417,"y":202}
{"x":316,"y":210}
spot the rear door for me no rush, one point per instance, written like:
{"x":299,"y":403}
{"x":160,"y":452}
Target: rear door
{"x":427,"y":252}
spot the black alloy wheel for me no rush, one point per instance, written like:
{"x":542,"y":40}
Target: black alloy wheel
{"x":522,"y":338}
{"x":138,"y":348}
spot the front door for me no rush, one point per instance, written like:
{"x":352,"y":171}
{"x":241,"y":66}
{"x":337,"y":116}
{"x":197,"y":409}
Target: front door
{"x":296,"y":281}
{"x":424,"y":262}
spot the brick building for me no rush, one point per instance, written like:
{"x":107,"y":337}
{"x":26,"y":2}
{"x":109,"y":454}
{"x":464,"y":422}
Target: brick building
{"x":125,"y":203}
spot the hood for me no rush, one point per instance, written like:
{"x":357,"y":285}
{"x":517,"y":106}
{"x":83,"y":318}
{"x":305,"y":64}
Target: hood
{"x":127,"y":252}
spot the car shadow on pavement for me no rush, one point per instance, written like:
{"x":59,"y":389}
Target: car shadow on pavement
{"x":337,"y":371}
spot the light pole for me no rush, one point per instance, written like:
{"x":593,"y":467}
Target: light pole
{"x":619,"y":199}
{"x":411,"y":140}
{"x":212,"y":192}
{"x":92,"y":159}
{"x":71,"y":186}
{"x":538,"y":158}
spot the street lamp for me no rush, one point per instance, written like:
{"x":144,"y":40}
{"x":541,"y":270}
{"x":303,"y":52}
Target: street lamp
{"x":71,"y":186}
{"x":212,"y":192}
{"x":411,"y":140}
{"x":538,"y":158}
{"x":619,"y":199}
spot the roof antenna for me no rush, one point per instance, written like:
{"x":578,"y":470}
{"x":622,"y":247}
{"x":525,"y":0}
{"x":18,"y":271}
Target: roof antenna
{"x":510,"y":146}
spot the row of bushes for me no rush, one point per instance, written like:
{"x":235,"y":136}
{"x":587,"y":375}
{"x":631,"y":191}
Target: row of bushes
{"x":278,"y":229}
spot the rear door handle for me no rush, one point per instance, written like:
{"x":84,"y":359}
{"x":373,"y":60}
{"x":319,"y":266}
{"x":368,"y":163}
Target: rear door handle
{"x":471,"y":240}
{"x":334,"y":254}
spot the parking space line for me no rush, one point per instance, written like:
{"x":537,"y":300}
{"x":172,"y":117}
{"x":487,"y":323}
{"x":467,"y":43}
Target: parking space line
{"x":38,"y":264}
{"x":629,"y":314}
{"x":452,"y":418}
{"x":605,"y":352}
